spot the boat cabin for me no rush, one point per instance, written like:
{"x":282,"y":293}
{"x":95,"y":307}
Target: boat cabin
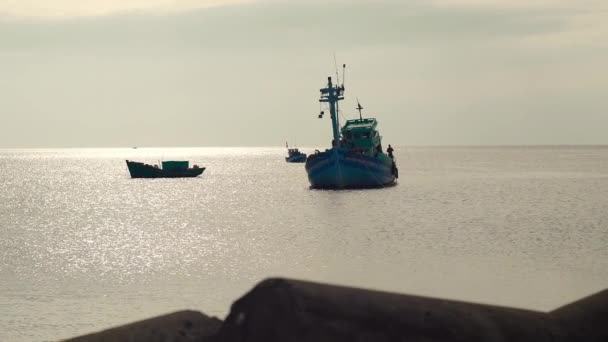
{"x":293,"y":151}
{"x":179,"y":165}
{"x":360,"y":136}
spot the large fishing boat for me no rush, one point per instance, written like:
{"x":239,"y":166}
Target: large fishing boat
{"x":169,"y":169}
{"x":356,"y":158}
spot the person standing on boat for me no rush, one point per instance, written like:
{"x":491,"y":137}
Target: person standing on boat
{"x":390,"y":150}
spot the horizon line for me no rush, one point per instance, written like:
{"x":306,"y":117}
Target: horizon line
{"x":302,"y":146}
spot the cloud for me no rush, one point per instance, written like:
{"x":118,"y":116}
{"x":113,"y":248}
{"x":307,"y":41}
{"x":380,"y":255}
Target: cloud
{"x":87,"y":8}
{"x":517,"y":4}
{"x":263,"y":25}
{"x":569,"y":23}
{"x":435,"y":71}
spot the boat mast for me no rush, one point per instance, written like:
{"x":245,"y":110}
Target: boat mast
{"x":359,"y":108}
{"x":332,"y":94}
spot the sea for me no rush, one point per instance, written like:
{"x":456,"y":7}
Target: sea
{"x":84,"y":247}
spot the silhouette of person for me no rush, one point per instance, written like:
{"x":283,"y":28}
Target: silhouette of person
{"x":390,"y":150}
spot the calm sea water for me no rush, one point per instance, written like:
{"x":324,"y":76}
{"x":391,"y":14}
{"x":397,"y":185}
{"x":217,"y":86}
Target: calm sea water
{"x":84,"y":247}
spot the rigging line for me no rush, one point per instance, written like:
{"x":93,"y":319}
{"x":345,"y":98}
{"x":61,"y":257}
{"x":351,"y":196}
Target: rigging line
{"x":341,"y":115}
{"x":337,"y":75}
{"x":350,"y":117}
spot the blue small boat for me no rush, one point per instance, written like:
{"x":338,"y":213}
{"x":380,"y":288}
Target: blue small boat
{"x":356,"y":158}
{"x":170,"y":169}
{"x":294,"y":155}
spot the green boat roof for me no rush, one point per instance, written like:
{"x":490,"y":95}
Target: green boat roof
{"x":360,"y":125}
{"x":174,"y":164}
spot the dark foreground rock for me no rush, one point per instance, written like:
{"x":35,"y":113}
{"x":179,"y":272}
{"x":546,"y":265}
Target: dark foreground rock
{"x":287,"y":310}
{"x":293,"y":311}
{"x":182,"y":326}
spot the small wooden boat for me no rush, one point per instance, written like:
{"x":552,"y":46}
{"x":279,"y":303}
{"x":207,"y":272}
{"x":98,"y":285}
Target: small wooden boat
{"x":295,"y":156}
{"x":168,"y":169}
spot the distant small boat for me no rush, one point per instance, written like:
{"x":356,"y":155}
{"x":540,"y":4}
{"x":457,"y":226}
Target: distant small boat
{"x":168,"y":169}
{"x":294,"y":155}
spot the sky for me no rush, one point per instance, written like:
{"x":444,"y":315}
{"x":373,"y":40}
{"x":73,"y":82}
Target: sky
{"x":120,"y":73}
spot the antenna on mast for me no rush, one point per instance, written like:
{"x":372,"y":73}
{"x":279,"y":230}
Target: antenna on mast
{"x":359,"y":108}
{"x":343,"y":74}
{"x":337,"y":75}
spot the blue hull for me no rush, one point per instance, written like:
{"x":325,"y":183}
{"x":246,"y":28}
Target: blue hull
{"x":340,"y":169}
{"x":300,"y":158}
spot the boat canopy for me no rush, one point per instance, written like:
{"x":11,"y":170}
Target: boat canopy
{"x":359,"y":125}
{"x":361,"y":134}
{"x":169,"y":165}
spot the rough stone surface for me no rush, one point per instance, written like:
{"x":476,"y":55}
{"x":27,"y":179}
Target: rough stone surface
{"x":182,"y":326}
{"x":298,"y":311}
{"x":585,"y":319}
{"x":290,"y":311}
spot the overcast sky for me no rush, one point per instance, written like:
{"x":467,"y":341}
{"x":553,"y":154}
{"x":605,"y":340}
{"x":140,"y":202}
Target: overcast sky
{"x":110,"y":73}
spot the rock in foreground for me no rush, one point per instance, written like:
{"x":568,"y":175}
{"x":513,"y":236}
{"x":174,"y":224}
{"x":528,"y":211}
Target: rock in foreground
{"x":283,"y":310}
{"x":182,"y":326}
